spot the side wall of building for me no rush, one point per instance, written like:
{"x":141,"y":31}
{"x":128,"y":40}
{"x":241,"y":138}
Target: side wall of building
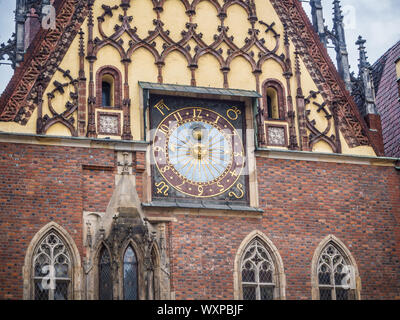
{"x":303,"y":202}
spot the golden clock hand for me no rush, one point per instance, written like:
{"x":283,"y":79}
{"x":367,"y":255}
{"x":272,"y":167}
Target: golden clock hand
{"x":207,"y":163}
{"x":205,"y":170}
{"x":214,"y":167}
{"x":191,"y":165}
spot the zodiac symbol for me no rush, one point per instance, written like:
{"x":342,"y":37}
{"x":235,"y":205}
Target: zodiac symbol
{"x":160,"y":106}
{"x":162,"y":188}
{"x":240,"y":188}
{"x":235,"y":111}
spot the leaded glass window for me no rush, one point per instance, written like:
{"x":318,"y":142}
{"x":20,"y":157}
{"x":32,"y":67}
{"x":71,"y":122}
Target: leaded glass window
{"x":333,"y":270}
{"x":130,"y":275}
{"x":52,"y":269}
{"x":257,"y":267}
{"x":152,"y":276}
{"x":105,"y":276}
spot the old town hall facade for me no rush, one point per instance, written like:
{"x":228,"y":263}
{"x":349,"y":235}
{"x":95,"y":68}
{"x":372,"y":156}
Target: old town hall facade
{"x":189,"y":149}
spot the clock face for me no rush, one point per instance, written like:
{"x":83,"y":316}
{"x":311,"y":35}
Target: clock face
{"x":198,"y":152}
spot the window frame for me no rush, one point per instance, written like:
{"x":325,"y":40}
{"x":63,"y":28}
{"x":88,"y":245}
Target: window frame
{"x":75,"y":288}
{"x":106,"y":73}
{"x":278,"y":274}
{"x":279,"y":88}
{"x":347,"y":257}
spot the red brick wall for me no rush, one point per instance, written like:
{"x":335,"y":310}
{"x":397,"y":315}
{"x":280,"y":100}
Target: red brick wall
{"x":40,"y":184}
{"x":303,"y":203}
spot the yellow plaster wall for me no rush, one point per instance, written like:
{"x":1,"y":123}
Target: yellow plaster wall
{"x":208,"y":74}
{"x":362,"y":151}
{"x":238,"y":23}
{"x":206,"y":12}
{"x":176,"y":61}
{"x":240,"y":75}
{"x":174,"y":18}
{"x":142,"y":68}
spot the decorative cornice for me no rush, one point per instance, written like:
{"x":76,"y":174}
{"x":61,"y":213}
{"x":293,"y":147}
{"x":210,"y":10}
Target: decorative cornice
{"x":78,"y":142}
{"x":325,"y":157}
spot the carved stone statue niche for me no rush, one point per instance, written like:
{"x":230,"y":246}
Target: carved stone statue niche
{"x":124,"y":227}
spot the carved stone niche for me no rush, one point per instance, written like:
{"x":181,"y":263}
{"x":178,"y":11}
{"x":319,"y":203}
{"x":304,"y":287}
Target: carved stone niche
{"x":124,"y":225}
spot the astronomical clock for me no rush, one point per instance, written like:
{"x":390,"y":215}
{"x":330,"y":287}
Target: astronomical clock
{"x":198,"y":150}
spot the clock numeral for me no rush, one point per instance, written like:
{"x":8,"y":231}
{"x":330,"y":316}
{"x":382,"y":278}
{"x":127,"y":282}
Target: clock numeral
{"x":162,"y":188}
{"x":165,"y":169}
{"x":216,"y":120}
{"x":235,"y":195}
{"x":233,"y":113}
{"x":221,"y":187}
{"x":238,"y":154}
{"x":180,"y":186}
{"x":160,"y":106}
{"x":201,"y":190}
{"x":197,"y":113}
{"x":178,"y":117}
{"x":234,"y":174}
{"x":158,"y":149}
{"x":164,"y":128}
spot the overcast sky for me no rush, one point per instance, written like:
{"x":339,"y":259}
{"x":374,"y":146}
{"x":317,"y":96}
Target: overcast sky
{"x":377,"y":21}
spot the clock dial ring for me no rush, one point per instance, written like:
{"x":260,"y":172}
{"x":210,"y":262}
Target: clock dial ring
{"x":214,"y":125}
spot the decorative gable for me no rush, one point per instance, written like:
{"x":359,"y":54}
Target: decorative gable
{"x":233,"y":44}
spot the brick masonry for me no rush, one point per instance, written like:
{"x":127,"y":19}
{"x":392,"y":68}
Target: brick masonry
{"x":303,"y":202}
{"x":40,"y":184}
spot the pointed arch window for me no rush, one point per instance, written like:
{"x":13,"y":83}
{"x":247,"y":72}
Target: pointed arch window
{"x":258,"y":273}
{"x":130,"y":276}
{"x":335,"y":275}
{"x":105,"y":276}
{"x":52,"y":269}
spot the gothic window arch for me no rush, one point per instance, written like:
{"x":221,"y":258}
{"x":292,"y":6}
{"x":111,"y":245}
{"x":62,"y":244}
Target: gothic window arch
{"x":52,"y":268}
{"x":334,"y":272}
{"x":259,"y":273}
{"x":108,"y":87}
{"x":130,"y":274}
{"x":274,"y":100}
{"x":105,"y":275}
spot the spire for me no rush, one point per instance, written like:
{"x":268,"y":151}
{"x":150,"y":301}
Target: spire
{"x":365,"y":79}
{"x":337,"y":36}
{"x":339,"y":41}
{"x":318,"y":20}
{"x":20,"y":16}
